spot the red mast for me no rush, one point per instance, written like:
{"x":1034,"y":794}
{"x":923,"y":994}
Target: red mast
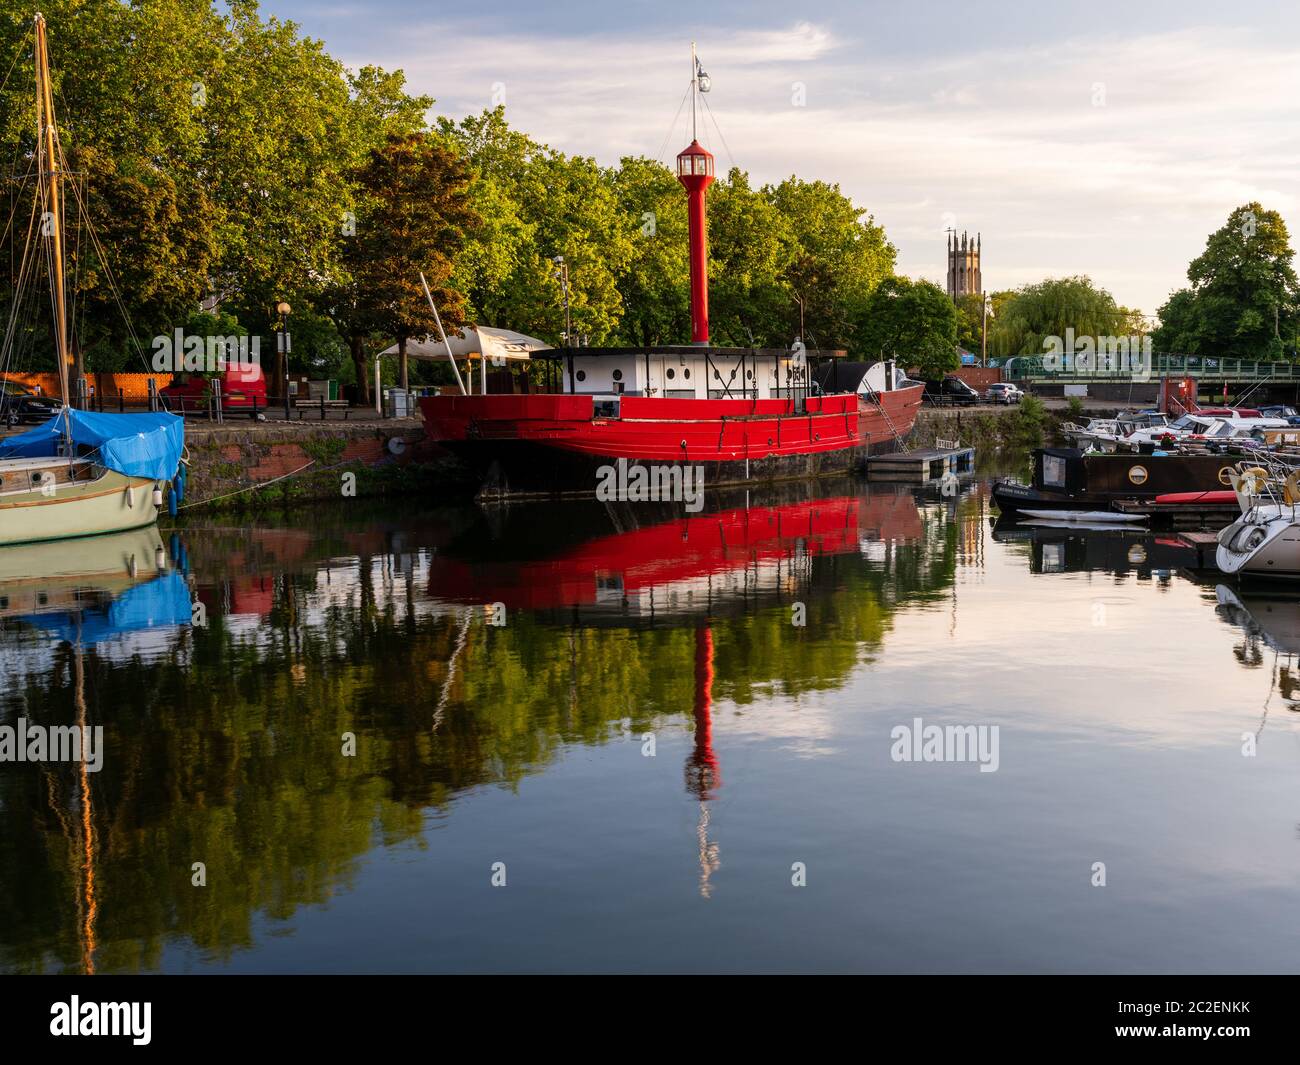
{"x":695,"y":172}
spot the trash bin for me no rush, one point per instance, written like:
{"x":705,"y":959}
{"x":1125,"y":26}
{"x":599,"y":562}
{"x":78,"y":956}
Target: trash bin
{"x":399,"y":403}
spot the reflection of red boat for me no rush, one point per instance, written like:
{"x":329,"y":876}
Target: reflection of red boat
{"x":668,"y":566}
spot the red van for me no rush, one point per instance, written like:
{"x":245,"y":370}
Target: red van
{"x":243,"y":388}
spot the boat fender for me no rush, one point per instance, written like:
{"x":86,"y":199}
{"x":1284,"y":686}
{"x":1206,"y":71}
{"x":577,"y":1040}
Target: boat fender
{"x":157,"y":496}
{"x":160,"y":558}
{"x":172,"y":497}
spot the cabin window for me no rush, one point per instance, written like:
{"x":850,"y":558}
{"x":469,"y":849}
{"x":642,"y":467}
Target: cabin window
{"x":672,"y":374}
{"x":686,"y":374}
{"x":618,"y":375}
{"x":581,"y":375}
{"x":1053,"y":471}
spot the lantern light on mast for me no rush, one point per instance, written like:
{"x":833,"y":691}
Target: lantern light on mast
{"x":695,"y":172}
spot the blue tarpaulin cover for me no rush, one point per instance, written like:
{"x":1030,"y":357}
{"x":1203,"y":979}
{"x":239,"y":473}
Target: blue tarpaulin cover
{"x":138,"y":445}
{"x":160,"y":602}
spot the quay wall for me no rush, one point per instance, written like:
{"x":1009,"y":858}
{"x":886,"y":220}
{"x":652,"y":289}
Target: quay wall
{"x":984,"y":428}
{"x":245,"y":465}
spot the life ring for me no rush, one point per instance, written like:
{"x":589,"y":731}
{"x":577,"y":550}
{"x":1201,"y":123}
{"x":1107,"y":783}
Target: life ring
{"x":1254,"y":479}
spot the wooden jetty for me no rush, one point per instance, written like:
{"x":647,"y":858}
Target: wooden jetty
{"x":923,"y":465}
{"x":1203,"y":546}
{"x":1181,"y":515}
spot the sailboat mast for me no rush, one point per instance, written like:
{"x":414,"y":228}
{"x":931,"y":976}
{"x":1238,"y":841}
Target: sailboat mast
{"x":51,"y":224}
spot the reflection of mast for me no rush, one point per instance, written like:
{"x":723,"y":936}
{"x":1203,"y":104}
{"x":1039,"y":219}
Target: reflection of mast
{"x":702,"y":771}
{"x":88,"y":904}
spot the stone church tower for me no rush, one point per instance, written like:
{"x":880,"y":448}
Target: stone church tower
{"x":963,"y":266}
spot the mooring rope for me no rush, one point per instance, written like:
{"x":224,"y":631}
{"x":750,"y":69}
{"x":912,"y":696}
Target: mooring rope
{"x":251,"y":487}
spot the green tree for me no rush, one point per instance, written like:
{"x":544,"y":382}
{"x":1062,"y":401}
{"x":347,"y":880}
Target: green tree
{"x":912,"y":321}
{"x":1050,"y":308}
{"x":655,"y":288}
{"x":412,"y":214}
{"x":835,"y":258}
{"x":543,"y":204}
{"x":749,"y":251}
{"x":1244,"y":296}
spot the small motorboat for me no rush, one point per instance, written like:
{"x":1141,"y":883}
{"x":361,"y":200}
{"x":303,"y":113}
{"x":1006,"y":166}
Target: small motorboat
{"x":1089,"y":517}
{"x":1265,"y":540}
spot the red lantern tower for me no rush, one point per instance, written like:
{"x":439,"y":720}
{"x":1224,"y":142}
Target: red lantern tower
{"x":695,"y":172}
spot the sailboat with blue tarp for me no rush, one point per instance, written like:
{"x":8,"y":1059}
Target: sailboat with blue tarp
{"x":81,"y":473}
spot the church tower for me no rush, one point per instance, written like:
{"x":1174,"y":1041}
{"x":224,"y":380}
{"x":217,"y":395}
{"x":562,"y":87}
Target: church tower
{"x":964,"y":277}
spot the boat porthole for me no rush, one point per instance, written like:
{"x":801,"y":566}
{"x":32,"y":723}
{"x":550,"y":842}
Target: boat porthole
{"x":1225,"y":476}
{"x":581,"y":375}
{"x":749,"y":374}
{"x":717,"y":376}
{"x":618,"y":375}
{"x":672,"y":374}
{"x":686,"y":374}
{"x":1137,"y":474}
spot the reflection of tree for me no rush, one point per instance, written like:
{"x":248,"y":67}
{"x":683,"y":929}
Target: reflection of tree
{"x":226,"y":747}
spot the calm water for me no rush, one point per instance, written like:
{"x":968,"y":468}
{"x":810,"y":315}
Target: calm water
{"x":618,"y":707}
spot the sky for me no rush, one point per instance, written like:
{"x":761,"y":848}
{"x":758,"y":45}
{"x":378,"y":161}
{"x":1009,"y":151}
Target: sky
{"x":1101,"y":138}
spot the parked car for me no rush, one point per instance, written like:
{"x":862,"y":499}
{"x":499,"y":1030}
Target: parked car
{"x":18,"y":403}
{"x":951,"y":391}
{"x":243,"y":389}
{"x":1003,"y":392}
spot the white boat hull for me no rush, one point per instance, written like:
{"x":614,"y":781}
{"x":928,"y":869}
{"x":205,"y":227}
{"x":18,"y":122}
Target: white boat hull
{"x":1263,"y":543}
{"x":109,"y":503}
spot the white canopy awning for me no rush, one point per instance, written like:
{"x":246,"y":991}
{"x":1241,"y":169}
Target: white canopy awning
{"x":478,"y":342}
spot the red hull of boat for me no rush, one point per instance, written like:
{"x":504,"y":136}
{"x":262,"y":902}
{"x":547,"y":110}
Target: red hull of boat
{"x":549,"y":443}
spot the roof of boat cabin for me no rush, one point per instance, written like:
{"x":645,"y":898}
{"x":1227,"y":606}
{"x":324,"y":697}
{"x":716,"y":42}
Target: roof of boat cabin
{"x":689,"y":349}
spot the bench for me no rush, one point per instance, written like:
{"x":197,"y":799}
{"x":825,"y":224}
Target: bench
{"x":322,"y":405}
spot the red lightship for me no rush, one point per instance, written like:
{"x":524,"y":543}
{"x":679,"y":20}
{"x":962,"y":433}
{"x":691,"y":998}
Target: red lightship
{"x":740,"y":414}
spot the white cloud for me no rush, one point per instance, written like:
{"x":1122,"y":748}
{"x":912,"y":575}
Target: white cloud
{"x":1008,"y":142}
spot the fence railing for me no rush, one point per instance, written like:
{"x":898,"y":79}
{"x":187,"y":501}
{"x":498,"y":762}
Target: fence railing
{"x":1097,"y":367}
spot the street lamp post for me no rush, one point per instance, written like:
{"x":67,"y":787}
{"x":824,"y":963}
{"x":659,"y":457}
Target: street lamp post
{"x":984,"y":329}
{"x":283,"y":345}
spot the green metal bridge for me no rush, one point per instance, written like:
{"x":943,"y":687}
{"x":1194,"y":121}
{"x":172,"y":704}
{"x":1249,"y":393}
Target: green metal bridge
{"x":1203,"y":368}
